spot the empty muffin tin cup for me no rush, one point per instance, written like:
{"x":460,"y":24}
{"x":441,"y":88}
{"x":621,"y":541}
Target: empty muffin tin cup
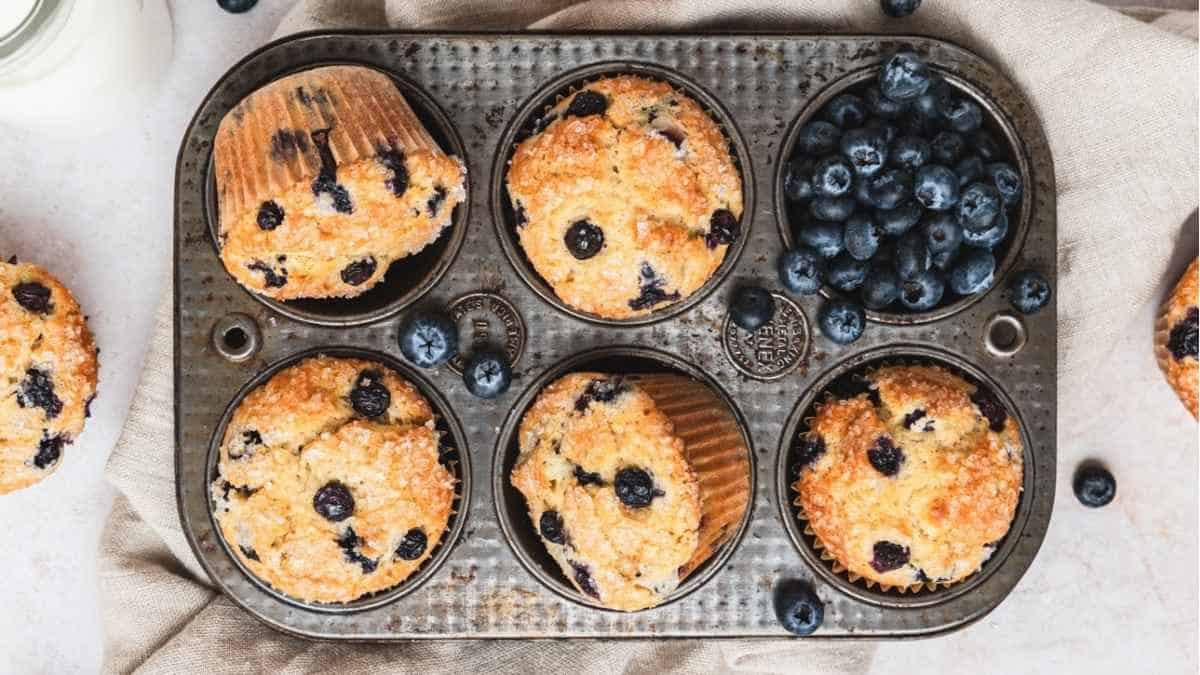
{"x":408,"y":278}
{"x":524,"y":124}
{"x":995,"y":122}
{"x":846,"y":377}
{"x":513,"y":512}
{"x":453,"y":454}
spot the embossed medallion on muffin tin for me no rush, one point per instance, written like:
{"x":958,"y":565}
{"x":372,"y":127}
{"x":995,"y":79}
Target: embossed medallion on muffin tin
{"x":486,"y":319}
{"x":486,"y":84}
{"x":775,"y":349}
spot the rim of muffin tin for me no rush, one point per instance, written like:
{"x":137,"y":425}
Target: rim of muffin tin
{"x":513,"y":513}
{"x":994,"y":119}
{"x":807,"y":544}
{"x":459,"y":464}
{"x":550,"y":94}
{"x":392,"y":294}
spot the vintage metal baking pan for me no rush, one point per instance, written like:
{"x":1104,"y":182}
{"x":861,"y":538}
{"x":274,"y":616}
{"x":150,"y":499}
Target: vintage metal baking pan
{"x":477,"y":93}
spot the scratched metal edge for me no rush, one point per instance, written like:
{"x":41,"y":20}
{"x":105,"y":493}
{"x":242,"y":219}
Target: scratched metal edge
{"x":846,"y":617}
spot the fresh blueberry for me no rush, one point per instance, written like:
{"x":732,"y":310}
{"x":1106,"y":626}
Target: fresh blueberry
{"x":487,"y":374}
{"x":969,"y":169}
{"x":973,"y":273}
{"x":369,"y":397}
{"x":583,"y":239}
{"x":846,"y":111}
{"x":936,"y":187}
{"x":752,"y":307}
{"x":797,"y":179}
{"x":882,"y":106}
{"x":334,"y":501}
{"x":925,"y":106}
{"x":818,"y":138}
{"x":412,"y":545}
{"x":845,"y":273}
{"x":904,"y":77}
{"x":881,"y":286}
{"x":885,"y":456}
{"x":978,"y":207}
{"x":947,"y":147}
{"x":33,"y":296}
{"x":860,"y":193}
{"x":1094,"y":485}
{"x":884,"y":128}
{"x":802,"y":270}
{"x":912,"y":255}
{"x":833,"y":176}
{"x":944,"y":259}
{"x":428,"y":339}
{"x":989,"y":238}
{"x":923,"y":293}
{"x":635,"y":488}
{"x":942,"y":233}
{"x":723,"y":228}
{"x":836,"y":209}
{"x":888,"y":556}
{"x":587,"y":102}
{"x":1029,"y":291}
{"x":798,"y":608}
{"x":357,"y":272}
{"x":887,"y":189}
{"x":237,"y":6}
{"x":866,"y":149}
{"x":899,"y":8}
{"x":862,"y":236}
{"x":985,"y":145}
{"x":841,"y":321}
{"x":1007,"y":181}
{"x":899,"y":220}
{"x":550,"y":525}
{"x":823,"y":236}
{"x":910,"y":152}
{"x":962,"y":114}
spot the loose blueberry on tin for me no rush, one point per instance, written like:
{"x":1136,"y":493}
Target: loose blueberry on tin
{"x":587,"y":102}
{"x":369,"y":397}
{"x":798,"y":608}
{"x":723,"y":228}
{"x":37,"y":391}
{"x":487,"y":374}
{"x":1094,"y":485}
{"x":357,"y":272}
{"x":846,"y":273}
{"x":888,"y":556}
{"x":428,"y":339}
{"x":802,"y":270}
{"x":885,"y":456}
{"x":880,"y":287}
{"x":899,"y":8}
{"x":33,"y":296}
{"x":833,"y":176}
{"x":635,"y":488}
{"x":583,"y":239}
{"x":904,"y":77}
{"x":846,"y":111}
{"x":236,"y":6}
{"x":752,"y":307}
{"x":973,"y":273}
{"x":334,"y":502}
{"x":412,"y":545}
{"x":270,"y":215}
{"x":1182,"y":342}
{"x":841,"y":321}
{"x":49,"y":450}
{"x":550,"y":525}
{"x":808,"y":448}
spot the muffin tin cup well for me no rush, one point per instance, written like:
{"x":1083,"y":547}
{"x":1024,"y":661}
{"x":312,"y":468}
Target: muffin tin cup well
{"x":452,"y":454}
{"x":511,"y":508}
{"x":995,"y":121}
{"x":841,"y":376}
{"x":524,"y":123}
{"x":408,"y":278}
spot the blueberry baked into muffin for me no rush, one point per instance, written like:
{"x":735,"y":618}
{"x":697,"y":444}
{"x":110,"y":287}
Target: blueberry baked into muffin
{"x":1175,"y":339}
{"x":632,"y":482}
{"x":912,"y":482}
{"x":48,"y":372}
{"x":324,"y":178}
{"x":626,"y":197}
{"x":329,"y":484}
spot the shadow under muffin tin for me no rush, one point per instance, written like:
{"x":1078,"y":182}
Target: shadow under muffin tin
{"x":482,"y":88}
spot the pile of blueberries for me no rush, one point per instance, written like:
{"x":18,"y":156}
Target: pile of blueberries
{"x":898,"y":197}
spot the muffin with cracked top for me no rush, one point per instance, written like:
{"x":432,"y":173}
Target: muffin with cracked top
{"x":912,"y":482}
{"x":1175,"y":339}
{"x":632,"y":482}
{"x":48,"y":370}
{"x":329,"y":483}
{"x":626,"y":197}
{"x":324,"y":179}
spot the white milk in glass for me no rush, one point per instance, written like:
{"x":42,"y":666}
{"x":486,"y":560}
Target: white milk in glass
{"x":78,"y":67}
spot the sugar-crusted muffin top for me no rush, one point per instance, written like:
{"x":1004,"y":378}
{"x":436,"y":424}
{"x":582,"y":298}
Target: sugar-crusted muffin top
{"x":913,"y":481}
{"x":329,"y":484}
{"x":1176,"y":338}
{"x":609,"y":488}
{"x":324,"y":178}
{"x":626,"y":197}
{"x":48,"y":369}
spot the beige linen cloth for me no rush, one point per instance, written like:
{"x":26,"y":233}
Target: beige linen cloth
{"x":1117,"y":96}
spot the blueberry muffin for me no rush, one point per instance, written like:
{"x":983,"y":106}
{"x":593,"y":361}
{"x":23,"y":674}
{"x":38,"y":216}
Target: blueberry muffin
{"x":913,"y":482}
{"x":1175,"y":339}
{"x":626,"y":197}
{"x":329,"y":484}
{"x":48,"y":371}
{"x":632,"y":482}
{"x":324,"y":178}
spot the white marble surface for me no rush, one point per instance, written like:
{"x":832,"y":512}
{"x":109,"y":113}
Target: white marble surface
{"x":1113,"y":590}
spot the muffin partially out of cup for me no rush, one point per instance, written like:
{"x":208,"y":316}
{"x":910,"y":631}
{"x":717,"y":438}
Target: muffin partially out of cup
{"x":632,"y":482}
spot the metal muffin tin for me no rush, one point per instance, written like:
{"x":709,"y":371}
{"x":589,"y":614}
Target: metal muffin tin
{"x":489,"y":584}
